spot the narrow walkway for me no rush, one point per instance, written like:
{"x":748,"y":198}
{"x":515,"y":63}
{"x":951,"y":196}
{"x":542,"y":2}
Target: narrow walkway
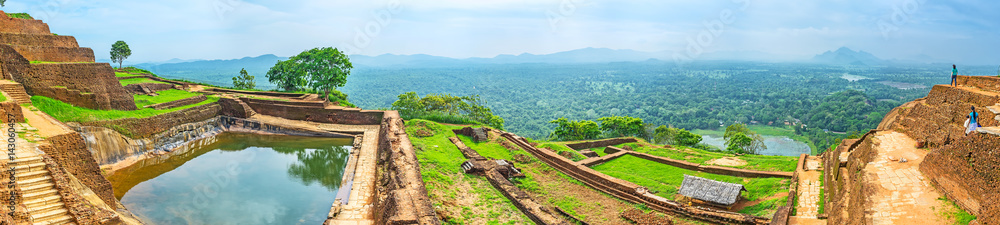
{"x":809,"y":188}
{"x":902,"y":194}
{"x":995,"y":109}
{"x":359,"y":206}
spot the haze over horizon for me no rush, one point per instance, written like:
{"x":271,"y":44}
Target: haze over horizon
{"x":229,"y":29}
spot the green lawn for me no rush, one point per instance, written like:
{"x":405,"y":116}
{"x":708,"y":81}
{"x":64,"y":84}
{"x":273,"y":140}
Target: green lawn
{"x":440,"y":169}
{"x":3,"y":98}
{"x":666,"y":179}
{"x":754,"y":162}
{"x":69,"y":113}
{"x":120,"y":74}
{"x":126,"y":82}
{"x":164,"y":96}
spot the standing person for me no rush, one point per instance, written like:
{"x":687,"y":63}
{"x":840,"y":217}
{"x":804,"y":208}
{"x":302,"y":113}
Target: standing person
{"x":973,"y":121}
{"x":954,"y":74}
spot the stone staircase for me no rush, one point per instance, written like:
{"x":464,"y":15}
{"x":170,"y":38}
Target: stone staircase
{"x":249,"y":111}
{"x":16,"y":92}
{"x":992,"y":130}
{"x":43,"y":201}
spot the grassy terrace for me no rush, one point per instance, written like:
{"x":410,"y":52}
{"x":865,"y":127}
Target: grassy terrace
{"x":163,"y":97}
{"x":754,"y":162}
{"x":142,"y":80}
{"x":70,"y":113}
{"x":446,"y":184}
{"x":3,"y":98}
{"x":664,"y":180}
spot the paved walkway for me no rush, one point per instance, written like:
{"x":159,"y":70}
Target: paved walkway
{"x":809,"y":189}
{"x":902,"y":194}
{"x":359,"y":206}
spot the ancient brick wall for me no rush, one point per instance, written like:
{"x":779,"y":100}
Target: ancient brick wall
{"x":10,"y":108}
{"x":55,"y":54}
{"x":288,"y":103}
{"x":146,"y":127}
{"x":847,"y":192}
{"x":401,"y":197}
{"x":938,"y":118}
{"x":38,"y":40}
{"x":233,"y":108}
{"x":11,"y":62}
{"x":70,"y":152}
{"x":989,"y":83}
{"x":339,"y":116}
{"x":968,"y":172}
{"x":137,"y":88}
{"x":262,"y":93}
{"x":179,"y":103}
{"x":88,"y":78}
{"x":15,"y":25}
{"x":600,"y":143}
{"x":82,"y":211}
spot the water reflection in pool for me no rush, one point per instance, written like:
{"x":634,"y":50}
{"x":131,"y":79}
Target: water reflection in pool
{"x":776,"y":145}
{"x":237,"y":179}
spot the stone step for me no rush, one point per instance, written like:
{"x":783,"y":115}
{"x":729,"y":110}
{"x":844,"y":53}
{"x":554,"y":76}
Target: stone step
{"x":55,"y":205}
{"x":33,"y":181}
{"x":32,"y":175}
{"x":37,"y":187}
{"x":64,"y":219}
{"x":22,"y":160}
{"x":40,"y":194}
{"x":29,"y":167}
{"x":994,"y":108}
{"x":44,"y":217}
{"x":42,"y":201}
{"x":989,"y":130}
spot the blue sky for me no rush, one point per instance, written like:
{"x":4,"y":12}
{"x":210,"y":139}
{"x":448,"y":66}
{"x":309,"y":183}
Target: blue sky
{"x":964,"y":31}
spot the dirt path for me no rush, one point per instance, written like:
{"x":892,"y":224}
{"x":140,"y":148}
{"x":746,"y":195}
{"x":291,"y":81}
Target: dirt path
{"x":902,"y":194}
{"x":46,"y":125}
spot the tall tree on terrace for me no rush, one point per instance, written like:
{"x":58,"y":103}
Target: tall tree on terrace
{"x":287,"y":76}
{"x":244,"y":80}
{"x":120,"y":52}
{"x":327,"y":68}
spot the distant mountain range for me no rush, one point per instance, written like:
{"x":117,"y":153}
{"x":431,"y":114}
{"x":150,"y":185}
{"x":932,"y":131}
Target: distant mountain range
{"x":220,"y":72}
{"x":844,"y":55}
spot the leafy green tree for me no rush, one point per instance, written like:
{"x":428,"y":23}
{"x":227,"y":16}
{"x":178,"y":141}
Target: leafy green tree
{"x":665,"y":135}
{"x":327,"y":68}
{"x":736,"y":137}
{"x":2,"y":2}
{"x":568,"y":130}
{"x":320,"y":69}
{"x":287,"y":75}
{"x":687,"y":138}
{"x":621,"y":126}
{"x":120,"y":52}
{"x":244,"y":80}
{"x":409,"y":105}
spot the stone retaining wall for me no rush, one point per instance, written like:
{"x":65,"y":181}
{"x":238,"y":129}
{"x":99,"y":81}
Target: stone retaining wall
{"x":939,"y":117}
{"x":314,"y":114}
{"x":70,"y":152}
{"x":38,"y":40}
{"x":401,"y":197}
{"x":16,"y":25}
{"x":989,"y":83}
{"x":146,"y":127}
{"x":600,"y":143}
{"x":137,"y":88}
{"x":82,"y":211}
{"x":11,"y":108}
{"x":234,"y":108}
{"x":95,"y":82}
{"x":288,"y":103}
{"x":845,"y":188}
{"x":263,"y":93}
{"x":967,"y":173}
{"x":55,"y":54}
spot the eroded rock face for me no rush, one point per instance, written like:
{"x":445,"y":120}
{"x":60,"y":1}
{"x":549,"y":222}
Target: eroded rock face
{"x":110,"y":147}
{"x":968,"y":172}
